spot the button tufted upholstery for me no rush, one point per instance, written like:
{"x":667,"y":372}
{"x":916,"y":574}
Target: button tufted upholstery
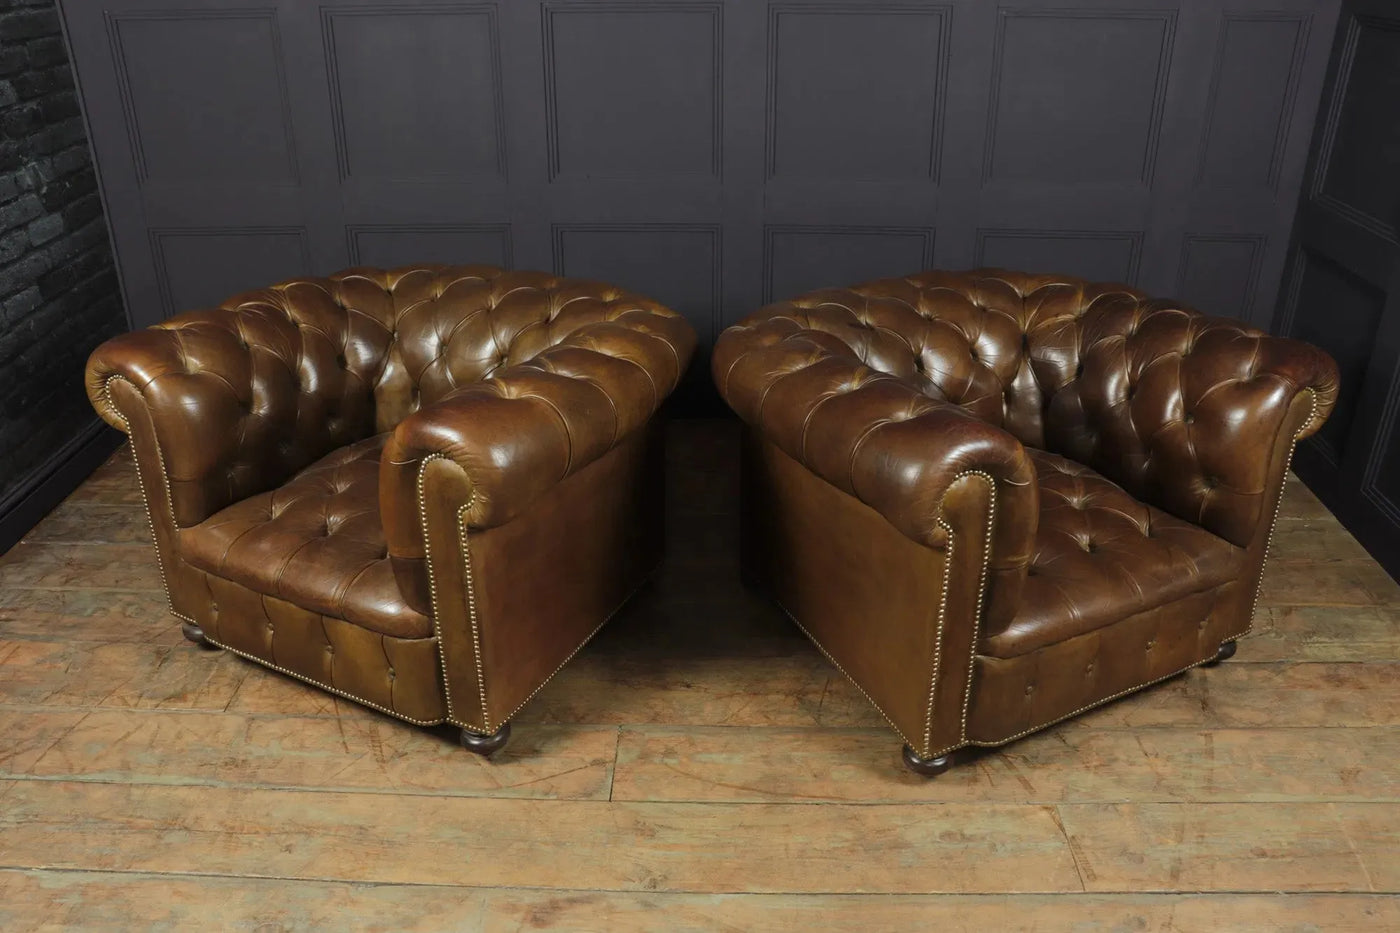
{"x":316,"y":541}
{"x":1070,"y":456}
{"x":379,"y":454}
{"x":1100,"y":555}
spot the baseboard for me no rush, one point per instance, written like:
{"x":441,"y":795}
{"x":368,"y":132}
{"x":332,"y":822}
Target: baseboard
{"x":49,"y":483}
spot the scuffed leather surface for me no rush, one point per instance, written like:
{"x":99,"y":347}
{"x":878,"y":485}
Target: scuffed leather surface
{"x":316,"y":541}
{"x":1138,"y":450}
{"x":397,"y":675}
{"x":873,"y":434}
{"x":530,"y":425}
{"x":1020,"y":694}
{"x":1101,"y":555}
{"x":245,"y":395}
{"x":262,"y":426}
{"x":1161,"y":399}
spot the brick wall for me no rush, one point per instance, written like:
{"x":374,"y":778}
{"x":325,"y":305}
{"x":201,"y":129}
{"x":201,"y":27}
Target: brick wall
{"x":58,"y":290}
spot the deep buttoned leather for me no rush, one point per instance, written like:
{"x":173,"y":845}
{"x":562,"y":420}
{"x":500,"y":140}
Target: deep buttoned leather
{"x":316,"y":541}
{"x":1133,"y":452}
{"x":345,"y":448}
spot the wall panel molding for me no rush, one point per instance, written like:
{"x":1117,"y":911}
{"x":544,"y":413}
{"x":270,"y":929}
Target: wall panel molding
{"x":161,"y":239}
{"x":488,"y":11}
{"x":704,"y":311}
{"x":1333,"y":115}
{"x":1006,"y":16}
{"x":552,"y":10}
{"x":1194,"y":245}
{"x":356,"y":235}
{"x":1288,"y":93}
{"x":1128,"y":243}
{"x":942,"y":14}
{"x":921,"y":240}
{"x":114,"y":22}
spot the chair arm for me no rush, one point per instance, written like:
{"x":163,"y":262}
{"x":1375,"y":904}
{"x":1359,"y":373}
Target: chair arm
{"x":531,"y":425}
{"x":873,"y":435}
{"x":229,"y":401}
{"x":1193,"y":414}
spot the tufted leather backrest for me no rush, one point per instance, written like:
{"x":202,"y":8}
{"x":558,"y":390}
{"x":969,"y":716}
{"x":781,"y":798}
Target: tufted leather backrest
{"x":1176,"y":407}
{"x":245,"y":395}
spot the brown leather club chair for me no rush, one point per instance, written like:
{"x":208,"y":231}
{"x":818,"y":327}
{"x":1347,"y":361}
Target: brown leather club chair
{"x":996,"y":500}
{"x":422,"y":489}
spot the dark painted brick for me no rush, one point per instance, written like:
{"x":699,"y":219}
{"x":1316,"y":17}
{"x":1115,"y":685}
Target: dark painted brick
{"x":46,"y":51}
{"x":28,"y":24}
{"x":20,"y":211}
{"x":20,"y":305}
{"x":13,"y":59}
{"x":13,"y":245}
{"x":59,"y":296}
{"x":45,"y":229}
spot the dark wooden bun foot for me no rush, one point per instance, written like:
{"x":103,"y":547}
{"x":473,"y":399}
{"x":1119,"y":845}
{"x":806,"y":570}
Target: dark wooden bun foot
{"x":196,"y":634}
{"x":1226,"y":652}
{"x":486,"y":745}
{"x":931,"y":767}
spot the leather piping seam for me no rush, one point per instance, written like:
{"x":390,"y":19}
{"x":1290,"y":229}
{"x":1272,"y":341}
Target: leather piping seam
{"x":1278,"y":507}
{"x":433,"y":599}
{"x":165,"y":585}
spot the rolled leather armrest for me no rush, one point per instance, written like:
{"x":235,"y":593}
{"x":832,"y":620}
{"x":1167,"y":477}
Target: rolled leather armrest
{"x":531,"y":425}
{"x":231,"y":413}
{"x":1190,"y":413}
{"x":873,"y":435}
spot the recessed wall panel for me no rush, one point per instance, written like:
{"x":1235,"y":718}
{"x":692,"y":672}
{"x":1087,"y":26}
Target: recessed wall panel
{"x":188,"y":121}
{"x":856,"y":91}
{"x":1251,"y":99}
{"x":633,"y":89}
{"x":390,"y":245}
{"x":199,"y":268}
{"x":800,"y":258}
{"x":676,"y":264}
{"x":416,"y":91}
{"x":1100,"y":256}
{"x":1361,"y":160}
{"x":1339,"y":313}
{"x":1078,"y":95}
{"x":1219,"y":274}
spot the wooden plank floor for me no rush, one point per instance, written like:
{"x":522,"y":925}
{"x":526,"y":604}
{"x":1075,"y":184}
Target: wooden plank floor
{"x":698,"y":767}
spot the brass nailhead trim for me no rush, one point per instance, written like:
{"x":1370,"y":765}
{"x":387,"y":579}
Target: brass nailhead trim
{"x":329,"y":689}
{"x":977,"y":613}
{"x":1108,"y":699}
{"x":485,"y":727}
{"x":589,"y":637}
{"x":1278,"y":507}
{"x":822,"y":648}
{"x":141,"y":485}
{"x":165,"y":584}
{"x":471,"y":608}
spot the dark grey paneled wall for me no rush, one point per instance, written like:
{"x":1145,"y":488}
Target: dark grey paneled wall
{"x":1343,"y":284}
{"x":716,"y":153}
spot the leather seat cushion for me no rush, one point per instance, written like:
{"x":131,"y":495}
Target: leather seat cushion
{"x":1101,"y":556}
{"x":317,"y":542}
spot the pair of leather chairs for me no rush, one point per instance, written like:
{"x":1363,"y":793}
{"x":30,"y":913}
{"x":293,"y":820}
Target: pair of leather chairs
{"x":993,"y":500}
